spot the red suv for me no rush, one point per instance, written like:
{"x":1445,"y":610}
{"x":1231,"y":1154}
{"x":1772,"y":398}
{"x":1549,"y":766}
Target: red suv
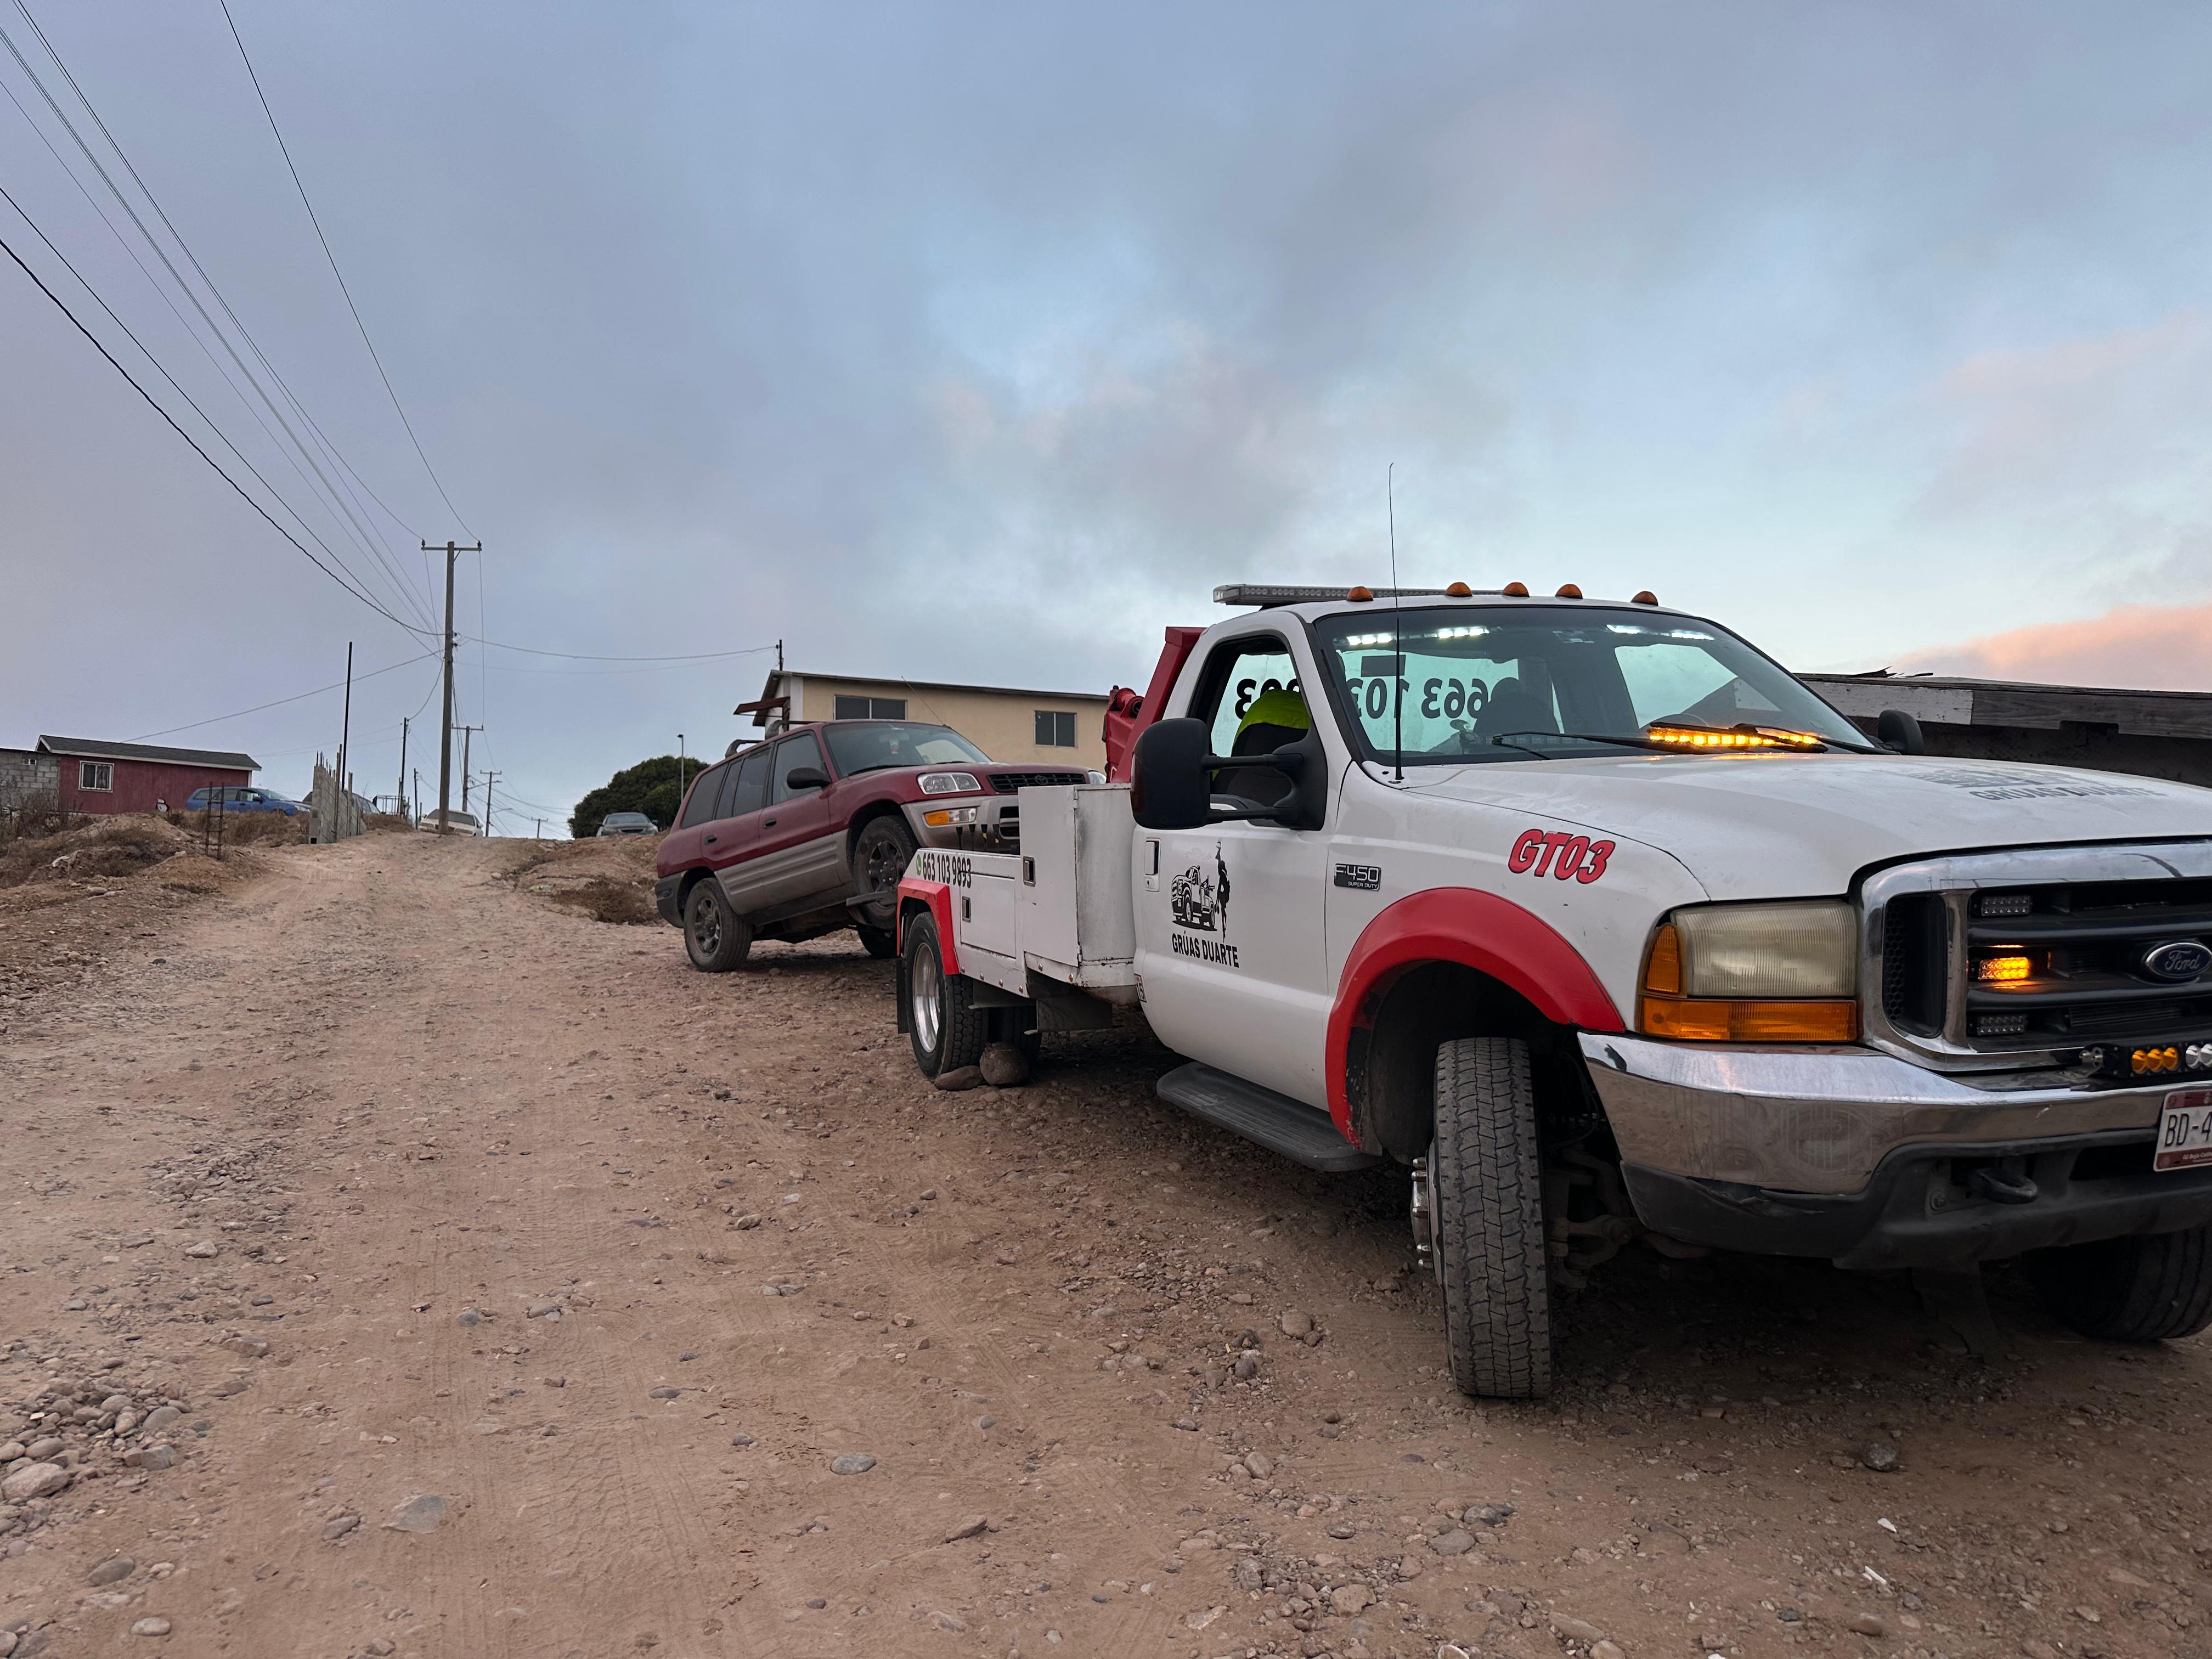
{"x":810,"y":832}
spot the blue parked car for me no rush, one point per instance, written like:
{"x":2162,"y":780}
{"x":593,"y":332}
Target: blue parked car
{"x":238,"y":797}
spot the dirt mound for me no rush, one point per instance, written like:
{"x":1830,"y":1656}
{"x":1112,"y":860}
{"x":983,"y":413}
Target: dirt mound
{"x":105,"y":848}
{"x":609,"y":880}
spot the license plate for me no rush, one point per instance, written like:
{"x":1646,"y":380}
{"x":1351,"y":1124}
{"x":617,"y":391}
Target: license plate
{"x":2185,"y":1132}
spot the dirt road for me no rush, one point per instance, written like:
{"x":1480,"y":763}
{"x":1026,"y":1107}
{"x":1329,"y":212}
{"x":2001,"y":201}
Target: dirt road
{"x":580,"y":1274}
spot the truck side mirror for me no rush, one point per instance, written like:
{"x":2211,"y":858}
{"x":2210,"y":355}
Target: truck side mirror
{"x":806,"y":777}
{"x":1897,"y":731}
{"x":1168,"y":788}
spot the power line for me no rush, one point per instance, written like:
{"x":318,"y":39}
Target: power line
{"x":317,"y":222}
{"x":145,"y":351}
{"x":279,"y":703}
{"x":213,"y":426}
{"x":362,"y":534}
{"x":9,"y":249}
{"x":578,"y":656}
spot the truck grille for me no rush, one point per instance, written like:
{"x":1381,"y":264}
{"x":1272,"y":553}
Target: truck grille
{"x":2045,"y":966}
{"x":1007,"y":783}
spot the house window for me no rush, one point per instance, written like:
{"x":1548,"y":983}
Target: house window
{"x":1056,"y":729}
{"x":95,"y":775}
{"x":870,"y":708}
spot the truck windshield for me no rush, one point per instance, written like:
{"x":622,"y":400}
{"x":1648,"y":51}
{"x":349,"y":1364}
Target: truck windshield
{"x":1484,"y":683}
{"x":873,"y":745}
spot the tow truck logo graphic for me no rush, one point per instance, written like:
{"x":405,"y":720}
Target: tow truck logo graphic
{"x":1201,"y":902}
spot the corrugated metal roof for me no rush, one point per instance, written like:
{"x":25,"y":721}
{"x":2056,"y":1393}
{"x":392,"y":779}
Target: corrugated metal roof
{"x":101,"y":749}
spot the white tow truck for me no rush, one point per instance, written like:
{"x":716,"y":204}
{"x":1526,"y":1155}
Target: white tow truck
{"x":1603,"y":925}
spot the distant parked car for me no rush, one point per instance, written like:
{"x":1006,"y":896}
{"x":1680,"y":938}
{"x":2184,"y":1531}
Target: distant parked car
{"x":463,"y":823}
{"x":238,"y":797}
{"x":627,"y":824}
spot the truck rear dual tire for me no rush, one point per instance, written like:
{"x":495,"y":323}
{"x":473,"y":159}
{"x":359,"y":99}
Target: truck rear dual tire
{"x":1486,"y":1176}
{"x":715,"y":937}
{"x":2145,"y":1289}
{"x":947,"y":1030}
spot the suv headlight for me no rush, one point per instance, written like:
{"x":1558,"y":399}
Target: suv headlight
{"x":1754,"y":973}
{"x":949,"y":783}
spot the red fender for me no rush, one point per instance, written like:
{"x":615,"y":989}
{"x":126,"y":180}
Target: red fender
{"x":1477,"y":930}
{"x":939,"y":897}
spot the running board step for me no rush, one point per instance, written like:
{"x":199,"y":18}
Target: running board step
{"x":1275,"y":1121}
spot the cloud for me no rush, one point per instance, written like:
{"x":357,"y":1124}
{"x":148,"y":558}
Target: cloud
{"x":2140,"y":647}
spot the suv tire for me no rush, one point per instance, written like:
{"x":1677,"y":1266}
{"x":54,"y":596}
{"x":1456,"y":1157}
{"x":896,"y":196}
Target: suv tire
{"x":880,"y":856}
{"x":1486,"y":1175}
{"x":876,"y":941}
{"x":715,"y":937}
{"x":948,"y":1031}
{"x":2143,"y":1289}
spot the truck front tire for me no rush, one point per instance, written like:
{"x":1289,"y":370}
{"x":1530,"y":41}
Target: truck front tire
{"x":2144,"y":1289}
{"x":948,"y":1031}
{"x":1487,"y":1173}
{"x":715,"y":937}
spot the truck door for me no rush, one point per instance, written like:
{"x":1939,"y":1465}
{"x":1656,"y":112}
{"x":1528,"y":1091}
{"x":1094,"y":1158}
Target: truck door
{"x":1229,"y":918}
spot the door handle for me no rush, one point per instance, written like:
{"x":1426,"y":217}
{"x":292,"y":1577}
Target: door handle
{"x":711,"y":839}
{"x":768,"y":823}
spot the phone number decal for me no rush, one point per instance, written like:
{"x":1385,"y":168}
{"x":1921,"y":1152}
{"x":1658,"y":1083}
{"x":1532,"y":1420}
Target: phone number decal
{"x":1550,"y":853}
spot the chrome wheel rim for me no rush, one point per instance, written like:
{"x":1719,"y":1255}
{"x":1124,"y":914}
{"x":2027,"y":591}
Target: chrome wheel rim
{"x":928,"y":989}
{"x":706,"y":926}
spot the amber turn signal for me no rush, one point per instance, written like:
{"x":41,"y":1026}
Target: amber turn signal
{"x":1663,"y":1012}
{"x":2002,"y":970}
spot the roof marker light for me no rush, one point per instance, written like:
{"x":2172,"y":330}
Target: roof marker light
{"x":1568,"y":590}
{"x":1360,"y":595}
{"x":1515,"y":590}
{"x":1647,"y":597}
{"x":1459,"y":591}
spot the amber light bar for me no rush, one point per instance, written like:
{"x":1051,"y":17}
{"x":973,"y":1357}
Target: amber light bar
{"x":1743,"y":737}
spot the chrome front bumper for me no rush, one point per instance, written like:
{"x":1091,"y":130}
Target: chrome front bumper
{"x":1822,"y":1121}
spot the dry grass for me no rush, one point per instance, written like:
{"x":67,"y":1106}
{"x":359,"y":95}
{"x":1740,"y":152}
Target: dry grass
{"x":609,"y":880}
{"x":247,"y":828}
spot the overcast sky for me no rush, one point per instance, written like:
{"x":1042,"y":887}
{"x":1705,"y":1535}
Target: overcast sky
{"x":979,"y":343}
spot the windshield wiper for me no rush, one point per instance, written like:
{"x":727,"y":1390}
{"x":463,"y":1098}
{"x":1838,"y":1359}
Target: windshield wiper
{"x":1579,"y":737}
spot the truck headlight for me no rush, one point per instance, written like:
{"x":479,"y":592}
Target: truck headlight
{"x":949,"y":783}
{"x":1754,"y":973}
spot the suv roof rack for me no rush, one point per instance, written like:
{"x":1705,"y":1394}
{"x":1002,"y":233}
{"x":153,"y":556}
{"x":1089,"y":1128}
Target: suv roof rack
{"x":1264,"y":596}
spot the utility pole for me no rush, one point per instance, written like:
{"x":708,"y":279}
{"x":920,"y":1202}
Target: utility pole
{"x":445,"y":725}
{"x":679,"y":769}
{"x":489,"y":776}
{"x":403,"y":766}
{"x":417,"y":797}
{"x":539,"y":833}
{"x":467,"y":732}
{"x":345,"y":738}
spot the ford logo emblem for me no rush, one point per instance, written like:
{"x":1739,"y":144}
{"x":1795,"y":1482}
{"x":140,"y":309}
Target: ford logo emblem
{"x":2178,"y":962}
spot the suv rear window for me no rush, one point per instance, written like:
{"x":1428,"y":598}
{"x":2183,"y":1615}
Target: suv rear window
{"x":701,"y":807}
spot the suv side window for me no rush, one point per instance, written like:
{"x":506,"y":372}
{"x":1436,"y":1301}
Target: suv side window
{"x":791,"y":755}
{"x":748,"y":785}
{"x":706,"y":796}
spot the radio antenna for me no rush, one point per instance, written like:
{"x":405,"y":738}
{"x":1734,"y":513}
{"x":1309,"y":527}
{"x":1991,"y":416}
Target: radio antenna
{"x":1397,"y":635}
